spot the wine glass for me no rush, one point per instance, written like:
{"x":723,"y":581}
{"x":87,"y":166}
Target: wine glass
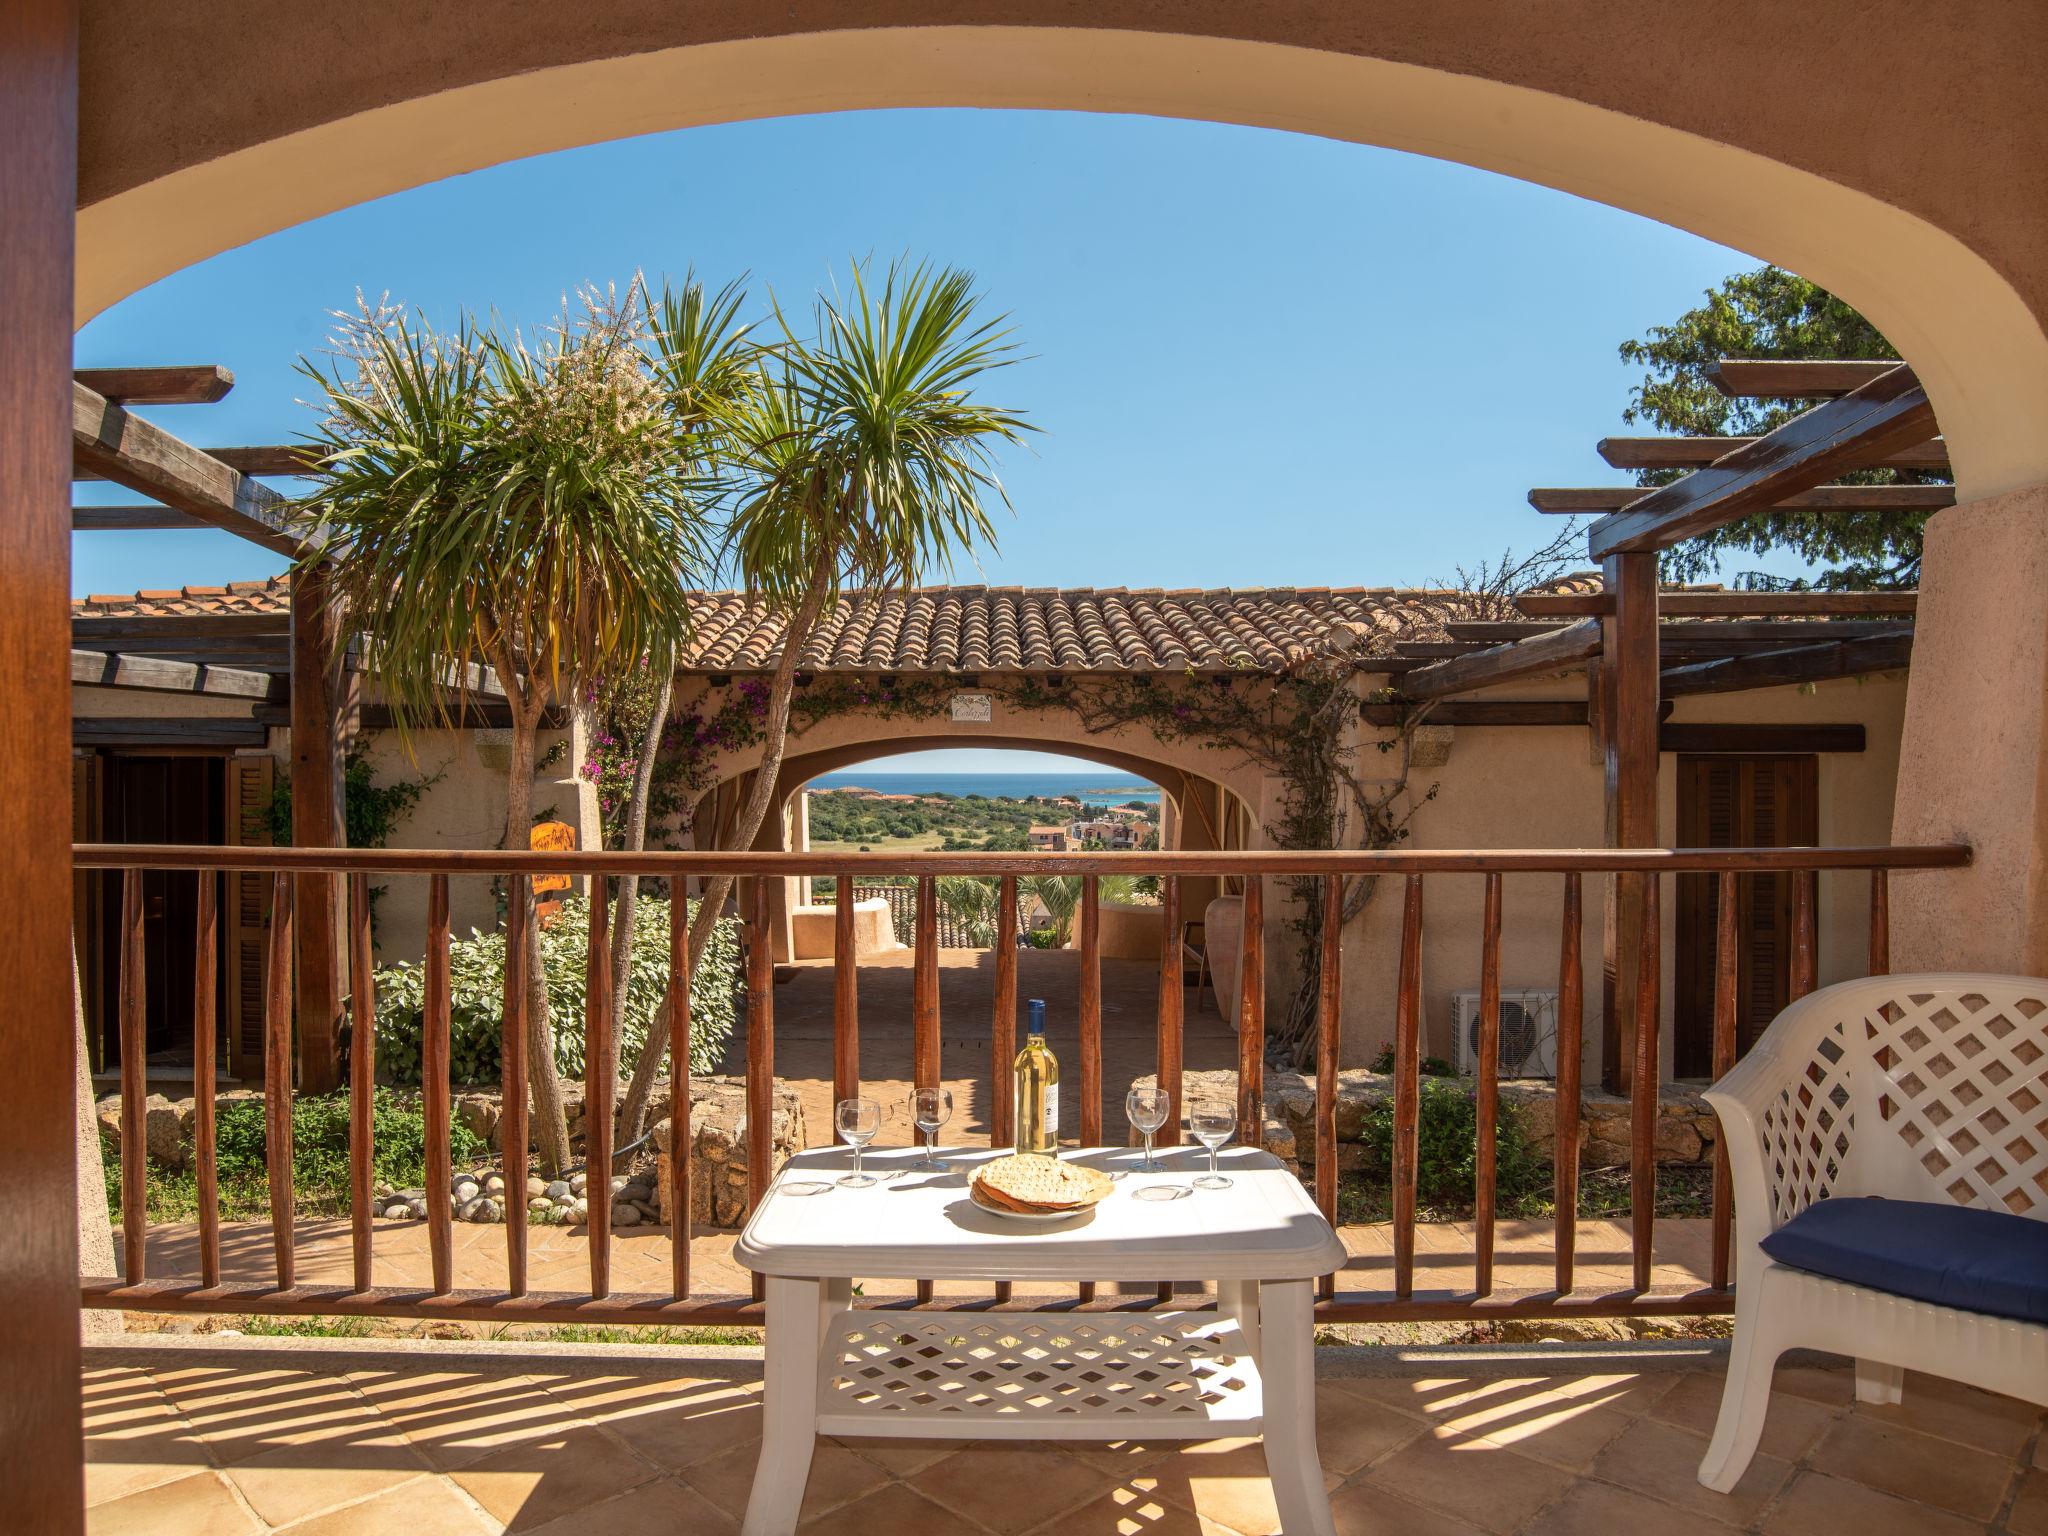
{"x":931,"y":1108}
{"x":1148,"y":1109}
{"x":1212,"y":1124}
{"x":857,"y":1121}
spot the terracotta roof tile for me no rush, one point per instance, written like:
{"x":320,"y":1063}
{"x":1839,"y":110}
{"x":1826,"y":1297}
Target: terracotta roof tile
{"x":271,"y":596}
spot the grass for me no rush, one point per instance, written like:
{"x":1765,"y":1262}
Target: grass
{"x":918,"y":842}
{"x":1603,"y":1192}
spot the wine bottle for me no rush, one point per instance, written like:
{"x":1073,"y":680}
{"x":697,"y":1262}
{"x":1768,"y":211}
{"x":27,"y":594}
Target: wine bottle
{"x":1038,"y":1089}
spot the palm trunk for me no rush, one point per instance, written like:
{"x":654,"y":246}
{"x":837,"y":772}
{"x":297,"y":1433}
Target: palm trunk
{"x":633,"y":1108}
{"x":550,"y":1113}
{"x":634,"y":840}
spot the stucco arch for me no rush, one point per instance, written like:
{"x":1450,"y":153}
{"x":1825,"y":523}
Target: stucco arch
{"x":296,"y":131}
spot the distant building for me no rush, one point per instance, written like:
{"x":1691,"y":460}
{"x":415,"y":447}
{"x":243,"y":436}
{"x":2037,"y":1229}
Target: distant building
{"x":1048,"y":840}
{"x":1110,"y":833}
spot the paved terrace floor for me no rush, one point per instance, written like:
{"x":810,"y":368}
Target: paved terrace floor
{"x":327,"y":1441}
{"x":1130,"y":1036}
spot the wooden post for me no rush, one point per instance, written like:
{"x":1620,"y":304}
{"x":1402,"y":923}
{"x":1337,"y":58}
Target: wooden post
{"x":39,"y":1412}
{"x":1628,"y":741}
{"x":319,"y":722}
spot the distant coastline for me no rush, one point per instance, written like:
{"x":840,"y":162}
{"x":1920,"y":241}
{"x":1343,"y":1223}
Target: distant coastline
{"x":1089,"y":788}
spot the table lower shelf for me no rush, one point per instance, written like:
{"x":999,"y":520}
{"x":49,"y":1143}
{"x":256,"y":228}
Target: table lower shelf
{"x":1038,"y":1375}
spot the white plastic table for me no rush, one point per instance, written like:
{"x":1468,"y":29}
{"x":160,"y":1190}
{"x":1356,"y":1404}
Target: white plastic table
{"x":1245,"y":1368}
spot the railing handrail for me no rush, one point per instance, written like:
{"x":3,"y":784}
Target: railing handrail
{"x":1417,"y":861}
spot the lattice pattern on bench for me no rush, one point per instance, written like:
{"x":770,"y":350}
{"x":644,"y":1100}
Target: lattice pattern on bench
{"x":1806,"y":1131}
{"x":1034,"y":1365}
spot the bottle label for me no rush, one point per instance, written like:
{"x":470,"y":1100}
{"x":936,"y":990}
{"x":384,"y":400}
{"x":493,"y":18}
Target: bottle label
{"x":1052,"y":1111}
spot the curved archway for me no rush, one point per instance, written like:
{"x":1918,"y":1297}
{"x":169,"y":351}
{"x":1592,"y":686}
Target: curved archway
{"x":432,"y":105}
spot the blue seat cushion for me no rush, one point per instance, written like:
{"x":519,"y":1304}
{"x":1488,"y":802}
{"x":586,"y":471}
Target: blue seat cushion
{"x":1977,"y":1261}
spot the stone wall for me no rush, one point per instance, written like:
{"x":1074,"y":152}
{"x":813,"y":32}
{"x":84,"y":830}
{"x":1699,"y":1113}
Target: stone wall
{"x":718,"y":1149}
{"x":1686,"y":1127}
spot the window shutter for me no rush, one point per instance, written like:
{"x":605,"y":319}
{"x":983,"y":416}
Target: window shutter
{"x":250,"y":783}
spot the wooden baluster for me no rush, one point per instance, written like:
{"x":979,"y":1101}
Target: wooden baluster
{"x":1407,"y":1086}
{"x":600,"y":1082}
{"x":1643,"y":1090}
{"x":1571,"y":1024}
{"x":760,"y":1053}
{"x":277,"y":1077}
{"x":134,"y":1005}
{"x":679,"y":1137}
{"x":845,"y":997}
{"x":1251,"y":1018}
{"x":1003,"y":1032}
{"x":1488,"y":1090}
{"x":1091,"y":1024}
{"x":362,"y":1083}
{"x":206,"y":1162}
{"x":1724,"y":1058}
{"x":1805,"y":886}
{"x":924,"y":1005}
{"x":1880,"y":922}
{"x":434,"y":1088}
{"x":512,"y":1118}
{"x":1329,"y":1002}
{"x":1172,"y":1020}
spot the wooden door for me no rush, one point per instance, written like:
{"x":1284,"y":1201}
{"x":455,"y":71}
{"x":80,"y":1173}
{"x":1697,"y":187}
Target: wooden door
{"x":86,"y":811}
{"x":1733,"y":801}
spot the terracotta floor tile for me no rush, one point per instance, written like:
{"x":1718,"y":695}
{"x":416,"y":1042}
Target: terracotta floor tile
{"x":894,"y":1509}
{"x":456,"y":1418}
{"x":1010,"y":1487}
{"x":199,"y":1505}
{"x":1664,"y":1462}
{"x":1363,"y":1509}
{"x":1222,"y":1480}
{"x":1816,"y":1505}
{"x":1598,"y":1509}
{"x":425,"y":1507}
{"x":1131,"y":1512}
{"x":1562,"y":1432}
{"x":1952,"y":1411}
{"x":1475,"y":1481}
{"x":1121,"y":1458}
{"x":838,"y":1476}
{"x":1835,"y":1385}
{"x":902,"y":1458}
{"x":2029,"y":1515}
{"x":114,"y":1470}
{"x":528,"y":1485}
{"x":718,"y":1422}
{"x":1911,"y":1465}
{"x":1351,"y":1431}
{"x":1791,"y":1428}
{"x":665,"y":1507}
{"x":291,"y":1482}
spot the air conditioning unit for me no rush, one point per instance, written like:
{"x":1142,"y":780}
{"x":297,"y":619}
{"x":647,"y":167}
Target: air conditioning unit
{"x":1528,"y":1033}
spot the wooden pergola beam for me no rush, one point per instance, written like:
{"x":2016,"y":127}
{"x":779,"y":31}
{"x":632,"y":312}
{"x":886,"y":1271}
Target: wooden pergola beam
{"x":110,"y":443}
{"x":211,"y":628}
{"x":176,"y":384}
{"x":1578,"y":501}
{"x":1794,"y":664}
{"x":1929,"y":455}
{"x":1706,"y":605}
{"x":129,"y":519}
{"x":1554,"y":651}
{"x":1684,"y":634}
{"x":160,"y":674}
{"x":1884,"y":416}
{"x":270,"y":459}
{"x":1792,"y":379}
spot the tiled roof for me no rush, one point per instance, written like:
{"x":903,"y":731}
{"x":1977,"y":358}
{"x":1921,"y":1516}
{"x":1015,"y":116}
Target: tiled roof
{"x":272,"y":596}
{"x":977,"y":629}
{"x":998,"y":629}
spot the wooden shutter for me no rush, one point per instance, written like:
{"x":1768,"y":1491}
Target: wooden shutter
{"x":1738,"y":802}
{"x":250,"y":782}
{"x":85,"y":907}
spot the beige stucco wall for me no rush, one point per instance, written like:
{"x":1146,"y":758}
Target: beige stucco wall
{"x":148,"y":704}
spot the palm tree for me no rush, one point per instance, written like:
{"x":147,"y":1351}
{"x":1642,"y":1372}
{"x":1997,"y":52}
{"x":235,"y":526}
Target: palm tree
{"x":486,"y":502}
{"x":1060,"y":896}
{"x":860,"y":459}
{"x":972,"y":903}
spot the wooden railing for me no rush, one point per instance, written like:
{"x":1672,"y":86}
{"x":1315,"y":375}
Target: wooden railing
{"x":516,"y":1302}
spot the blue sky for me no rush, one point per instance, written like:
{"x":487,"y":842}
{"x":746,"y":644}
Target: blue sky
{"x":1259,"y":359}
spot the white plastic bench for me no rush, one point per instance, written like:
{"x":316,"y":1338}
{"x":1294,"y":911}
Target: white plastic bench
{"x":1926,"y":1088}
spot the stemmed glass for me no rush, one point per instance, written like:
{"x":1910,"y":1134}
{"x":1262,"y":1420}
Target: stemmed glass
{"x":857,"y":1121}
{"x":1148,"y":1109}
{"x":1212,"y":1124}
{"x":931,"y":1108}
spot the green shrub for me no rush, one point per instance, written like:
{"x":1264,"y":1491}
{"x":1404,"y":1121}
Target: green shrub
{"x":1429,"y":1066}
{"x":477,"y":997}
{"x":1447,"y":1147}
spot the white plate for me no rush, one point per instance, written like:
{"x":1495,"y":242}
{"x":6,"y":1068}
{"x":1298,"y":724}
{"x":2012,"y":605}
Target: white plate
{"x":1038,"y":1218}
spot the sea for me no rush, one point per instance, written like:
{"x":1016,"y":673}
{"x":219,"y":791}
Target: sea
{"x":1105,"y":788}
